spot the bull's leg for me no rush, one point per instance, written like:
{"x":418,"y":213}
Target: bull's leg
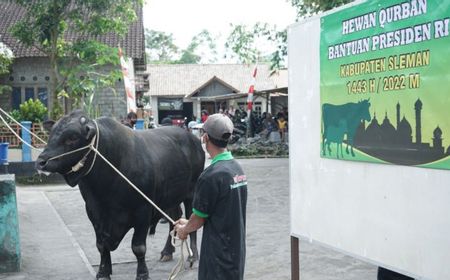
{"x":105,"y":269}
{"x":337,"y":150}
{"x":350,"y":142}
{"x":323,"y":143}
{"x":327,"y":145}
{"x":340,"y":145}
{"x":139,"y":248}
{"x":193,"y":235}
{"x":167,"y":252}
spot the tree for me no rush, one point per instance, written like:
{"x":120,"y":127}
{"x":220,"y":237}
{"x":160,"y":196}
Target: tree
{"x":84,"y":72}
{"x":6,"y":58}
{"x":202,"y":49}
{"x":256,"y":44}
{"x":160,"y":47}
{"x":46,"y":22}
{"x":305,"y":8}
{"x":312,"y":7}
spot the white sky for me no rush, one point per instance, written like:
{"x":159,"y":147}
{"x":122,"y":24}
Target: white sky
{"x":186,"y":18}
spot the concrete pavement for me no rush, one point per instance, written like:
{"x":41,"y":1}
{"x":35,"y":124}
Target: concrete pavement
{"x":58,"y":241}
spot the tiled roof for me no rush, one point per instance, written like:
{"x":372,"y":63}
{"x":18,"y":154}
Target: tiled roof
{"x":186,"y":79}
{"x":132,"y":43}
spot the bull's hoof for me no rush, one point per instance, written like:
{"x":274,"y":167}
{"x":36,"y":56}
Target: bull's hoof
{"x":143,"y":276}
{"x":103,"y":277}
{"x":166,"y":258}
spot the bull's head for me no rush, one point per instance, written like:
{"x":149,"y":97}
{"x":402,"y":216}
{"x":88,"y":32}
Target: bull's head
{"x":365,"y":110}
{"x":71,"y":132}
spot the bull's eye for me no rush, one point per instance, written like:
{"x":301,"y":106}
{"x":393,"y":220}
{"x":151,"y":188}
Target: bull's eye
{"x":73,"y":139}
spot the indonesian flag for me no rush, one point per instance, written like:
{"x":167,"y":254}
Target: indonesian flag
{"x":251,"y":90}
{"x":129,"y":87}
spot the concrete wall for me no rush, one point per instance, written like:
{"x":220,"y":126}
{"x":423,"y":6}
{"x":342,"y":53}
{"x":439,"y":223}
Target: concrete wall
{"x":9,"y":226}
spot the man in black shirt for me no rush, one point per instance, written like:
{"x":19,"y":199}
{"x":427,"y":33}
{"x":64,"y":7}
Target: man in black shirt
{"x":219,"y":205}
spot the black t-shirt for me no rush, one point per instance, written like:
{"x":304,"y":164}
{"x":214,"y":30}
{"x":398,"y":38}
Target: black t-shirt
{"x":221,"y":198}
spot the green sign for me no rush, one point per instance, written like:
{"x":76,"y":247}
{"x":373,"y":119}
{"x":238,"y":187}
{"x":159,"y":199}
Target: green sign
{"x":385,"y":83}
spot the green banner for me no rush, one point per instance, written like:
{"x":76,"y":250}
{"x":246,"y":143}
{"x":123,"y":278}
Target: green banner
{"x":385,"y":83}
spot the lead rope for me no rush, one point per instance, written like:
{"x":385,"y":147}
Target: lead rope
{"x":176,"y":270}
{"x":17,"y":135}
{"x":18,"y":123}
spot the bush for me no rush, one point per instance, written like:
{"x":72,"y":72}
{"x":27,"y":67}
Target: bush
{"x":31,"y":110}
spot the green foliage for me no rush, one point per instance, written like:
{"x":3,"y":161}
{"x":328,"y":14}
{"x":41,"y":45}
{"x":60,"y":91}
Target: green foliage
{"x":31,"y":110}
{"x":260,"y":149}
{"x":162,"y":50}
{"x":160,"y":46}
{"x":242,"y":42}
{"x":86,"y":73}
{"x":304,"y":8}
{"x":202,"y":49}
{"x":6,"y":59}
{"x":311,"y":7}
{"x":260,"y":43}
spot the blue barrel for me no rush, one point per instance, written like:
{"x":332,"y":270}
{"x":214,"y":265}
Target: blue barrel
{"x":4,"y":153}
{"x":139,"y":124}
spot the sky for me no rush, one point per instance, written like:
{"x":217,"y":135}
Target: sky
{"x":186,"y":18}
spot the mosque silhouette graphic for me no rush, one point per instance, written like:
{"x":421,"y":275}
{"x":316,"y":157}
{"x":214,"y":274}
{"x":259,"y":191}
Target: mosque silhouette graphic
{"x":395,"y":145}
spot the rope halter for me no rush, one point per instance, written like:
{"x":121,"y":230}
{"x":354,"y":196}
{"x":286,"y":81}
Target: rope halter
{"x":90,"y":146}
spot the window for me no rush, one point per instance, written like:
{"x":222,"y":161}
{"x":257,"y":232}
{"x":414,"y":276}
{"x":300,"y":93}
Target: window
{"x":258,"y":109}
{"x":16,"y":97}
{"x":29,"y":93}
{"x":43,"y":96}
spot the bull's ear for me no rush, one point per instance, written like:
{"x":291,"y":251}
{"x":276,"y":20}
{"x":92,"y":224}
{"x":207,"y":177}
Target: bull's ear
{"x":90,"y":130}
{"x":48,"y":125}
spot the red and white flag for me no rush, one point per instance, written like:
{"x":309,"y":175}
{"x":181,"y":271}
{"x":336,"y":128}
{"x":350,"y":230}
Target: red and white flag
{"x":129,"y":87}
{"x":251,"y":90}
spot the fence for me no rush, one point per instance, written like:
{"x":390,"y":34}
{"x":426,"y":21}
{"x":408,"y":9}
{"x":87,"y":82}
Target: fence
{"x":7,"y":136}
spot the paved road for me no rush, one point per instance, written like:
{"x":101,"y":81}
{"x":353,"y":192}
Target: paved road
{"x":58,"y":240}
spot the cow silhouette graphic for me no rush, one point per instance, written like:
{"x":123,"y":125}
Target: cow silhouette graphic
{"x":335,"y":134}
{"x":341,"y":120}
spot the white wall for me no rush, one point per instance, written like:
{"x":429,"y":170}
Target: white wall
{"x":394,"y":216}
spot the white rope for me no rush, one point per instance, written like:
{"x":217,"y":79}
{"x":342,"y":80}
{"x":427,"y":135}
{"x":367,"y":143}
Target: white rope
{"x":180,"y":265}
{"x":71,"y":152}
{"x":17,"y":135}
{"x":97,"y":135}
{"x":26,"y":129}
{"x":133,"y":185}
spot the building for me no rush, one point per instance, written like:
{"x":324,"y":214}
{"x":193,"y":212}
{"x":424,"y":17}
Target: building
{"x":30,"y":78}
{"x":184,"y":90}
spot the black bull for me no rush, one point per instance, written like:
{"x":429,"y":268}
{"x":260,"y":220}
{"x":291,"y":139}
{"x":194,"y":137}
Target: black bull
{"x":164,"y":163}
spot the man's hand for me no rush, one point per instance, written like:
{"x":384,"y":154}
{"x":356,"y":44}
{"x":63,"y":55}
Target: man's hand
{"x":180,"y":228}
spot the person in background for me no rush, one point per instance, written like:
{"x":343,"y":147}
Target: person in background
{"x":131,"y":120}
{"x":231,"y":111}
{"x":220,"y":201}
{"x":268,"y":124}
{"x":204,"y":116}
{"x":282,"y":127}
